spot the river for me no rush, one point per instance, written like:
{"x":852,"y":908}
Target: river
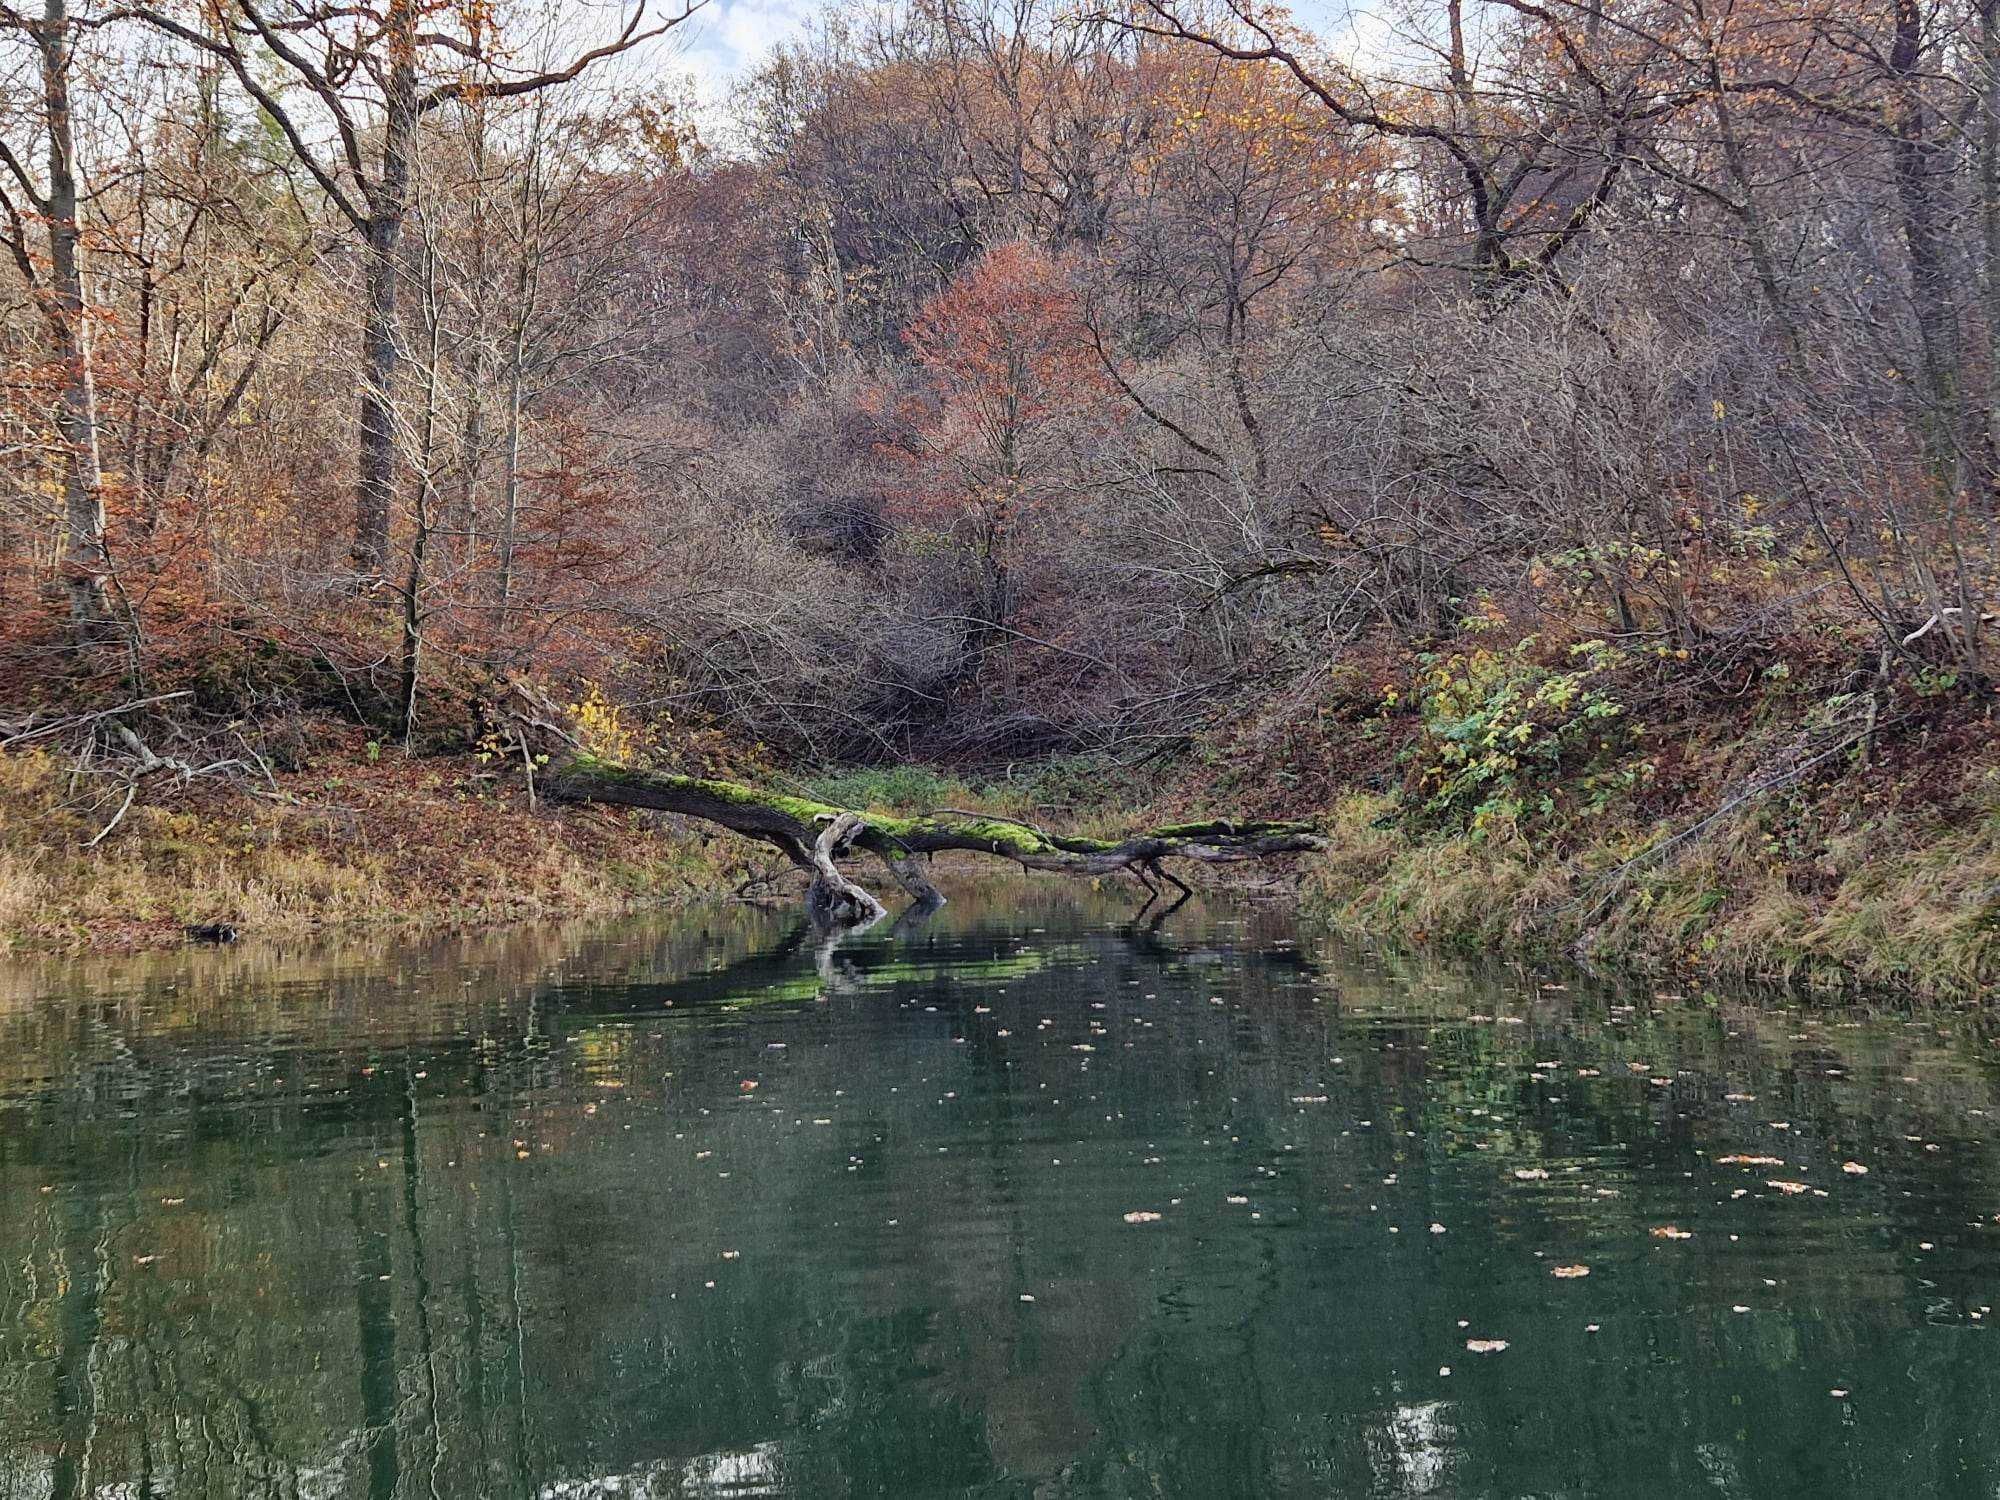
{"x":1026,"y":1200}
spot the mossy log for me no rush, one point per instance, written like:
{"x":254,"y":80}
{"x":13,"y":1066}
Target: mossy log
{"x":814,"y":835}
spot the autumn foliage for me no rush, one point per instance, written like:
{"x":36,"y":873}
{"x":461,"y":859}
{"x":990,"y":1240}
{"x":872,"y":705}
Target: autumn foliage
{"x":1004,"y":383}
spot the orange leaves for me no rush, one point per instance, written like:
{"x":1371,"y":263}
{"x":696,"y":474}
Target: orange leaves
{"x":1242,"y":143}
{"x":1004,"y":357}
{"x":1009,"y":329}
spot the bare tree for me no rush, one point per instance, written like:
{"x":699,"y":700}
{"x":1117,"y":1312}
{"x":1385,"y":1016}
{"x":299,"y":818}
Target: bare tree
{"x":372,"y":74}
{"x":54,"y":273}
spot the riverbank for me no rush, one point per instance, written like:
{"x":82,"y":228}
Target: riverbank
{"x":360,"y":838}
{"x":1781,"y":814}
{"x":1913,"y":906}
{"x":1777,"y":816}
{"x":354,"y":837}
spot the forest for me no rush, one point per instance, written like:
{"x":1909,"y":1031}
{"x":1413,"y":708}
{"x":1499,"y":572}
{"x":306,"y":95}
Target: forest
{"x":1567,"y":431}
{"x":1027,"y":750}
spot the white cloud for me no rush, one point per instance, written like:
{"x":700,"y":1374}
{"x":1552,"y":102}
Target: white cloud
{"x":723,"y":43}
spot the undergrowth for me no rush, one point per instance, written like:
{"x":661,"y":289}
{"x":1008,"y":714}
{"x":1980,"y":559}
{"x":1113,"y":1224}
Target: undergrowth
{"x":1088,"y":795}
{"x":1554,"y":796}
{"x":355,"y":839}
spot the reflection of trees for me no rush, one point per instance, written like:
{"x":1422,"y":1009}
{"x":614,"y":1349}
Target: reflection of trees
{"x":354,"y":1279}
{"x":85,"y":1274}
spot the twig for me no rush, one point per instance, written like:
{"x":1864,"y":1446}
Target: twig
{"x":131,"y":791}
{"x":527,"y":766}
{"x":262,"y":764}
{"x":102,"y":713}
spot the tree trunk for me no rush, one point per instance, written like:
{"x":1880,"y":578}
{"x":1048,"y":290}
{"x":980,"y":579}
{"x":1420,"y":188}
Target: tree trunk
{"x":1989,"y":208}
{"x":510,"y":476}
{"x":1921,"y":167}
{"x":85,"y":561}
{"x":526,"y":282}
{"x":375,"y":490}
{"x":388,"y":203}
{"x":813,"y":835}
{"x":463,"y":523}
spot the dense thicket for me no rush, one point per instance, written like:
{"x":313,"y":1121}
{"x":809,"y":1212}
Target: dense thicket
{"x":1013,"y":379}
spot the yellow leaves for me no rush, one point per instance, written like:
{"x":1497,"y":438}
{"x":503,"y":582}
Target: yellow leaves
{"x":601,"y":727}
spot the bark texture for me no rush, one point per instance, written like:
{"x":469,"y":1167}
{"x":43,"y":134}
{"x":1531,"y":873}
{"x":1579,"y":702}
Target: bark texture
{"x":814,"y":835}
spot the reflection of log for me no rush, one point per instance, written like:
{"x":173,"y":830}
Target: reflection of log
{"x":813,"y":835}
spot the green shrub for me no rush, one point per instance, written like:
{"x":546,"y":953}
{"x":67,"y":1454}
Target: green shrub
{"x":1499,"y":727}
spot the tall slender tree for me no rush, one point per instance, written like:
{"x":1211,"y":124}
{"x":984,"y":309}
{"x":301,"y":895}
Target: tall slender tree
{"x":374,"y":71}
{"x":54,"y":274}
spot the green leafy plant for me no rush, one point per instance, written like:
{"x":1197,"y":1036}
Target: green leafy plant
{"x":1497,"y":725}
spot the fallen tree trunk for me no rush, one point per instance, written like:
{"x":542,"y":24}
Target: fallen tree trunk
{"x":814,"y":835}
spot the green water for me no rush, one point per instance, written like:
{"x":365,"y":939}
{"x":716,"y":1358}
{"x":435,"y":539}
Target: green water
{"x":505,"y":1217}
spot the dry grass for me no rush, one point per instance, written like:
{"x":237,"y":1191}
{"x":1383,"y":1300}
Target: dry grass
{"x":1378,"y":877}
{"x":1910,"y":898}
{"x":22,"y":891}
{"x":359,"y":842}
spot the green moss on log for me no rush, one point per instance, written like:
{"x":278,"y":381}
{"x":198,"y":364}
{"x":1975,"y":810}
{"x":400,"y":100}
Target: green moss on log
{"x":794,"y":822}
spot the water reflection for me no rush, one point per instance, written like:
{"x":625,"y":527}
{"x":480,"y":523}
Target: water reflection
{"x":704,"y":1206}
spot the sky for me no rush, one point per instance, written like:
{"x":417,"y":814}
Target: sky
{"x":730,"y":37}
{"x":726,"y":40}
